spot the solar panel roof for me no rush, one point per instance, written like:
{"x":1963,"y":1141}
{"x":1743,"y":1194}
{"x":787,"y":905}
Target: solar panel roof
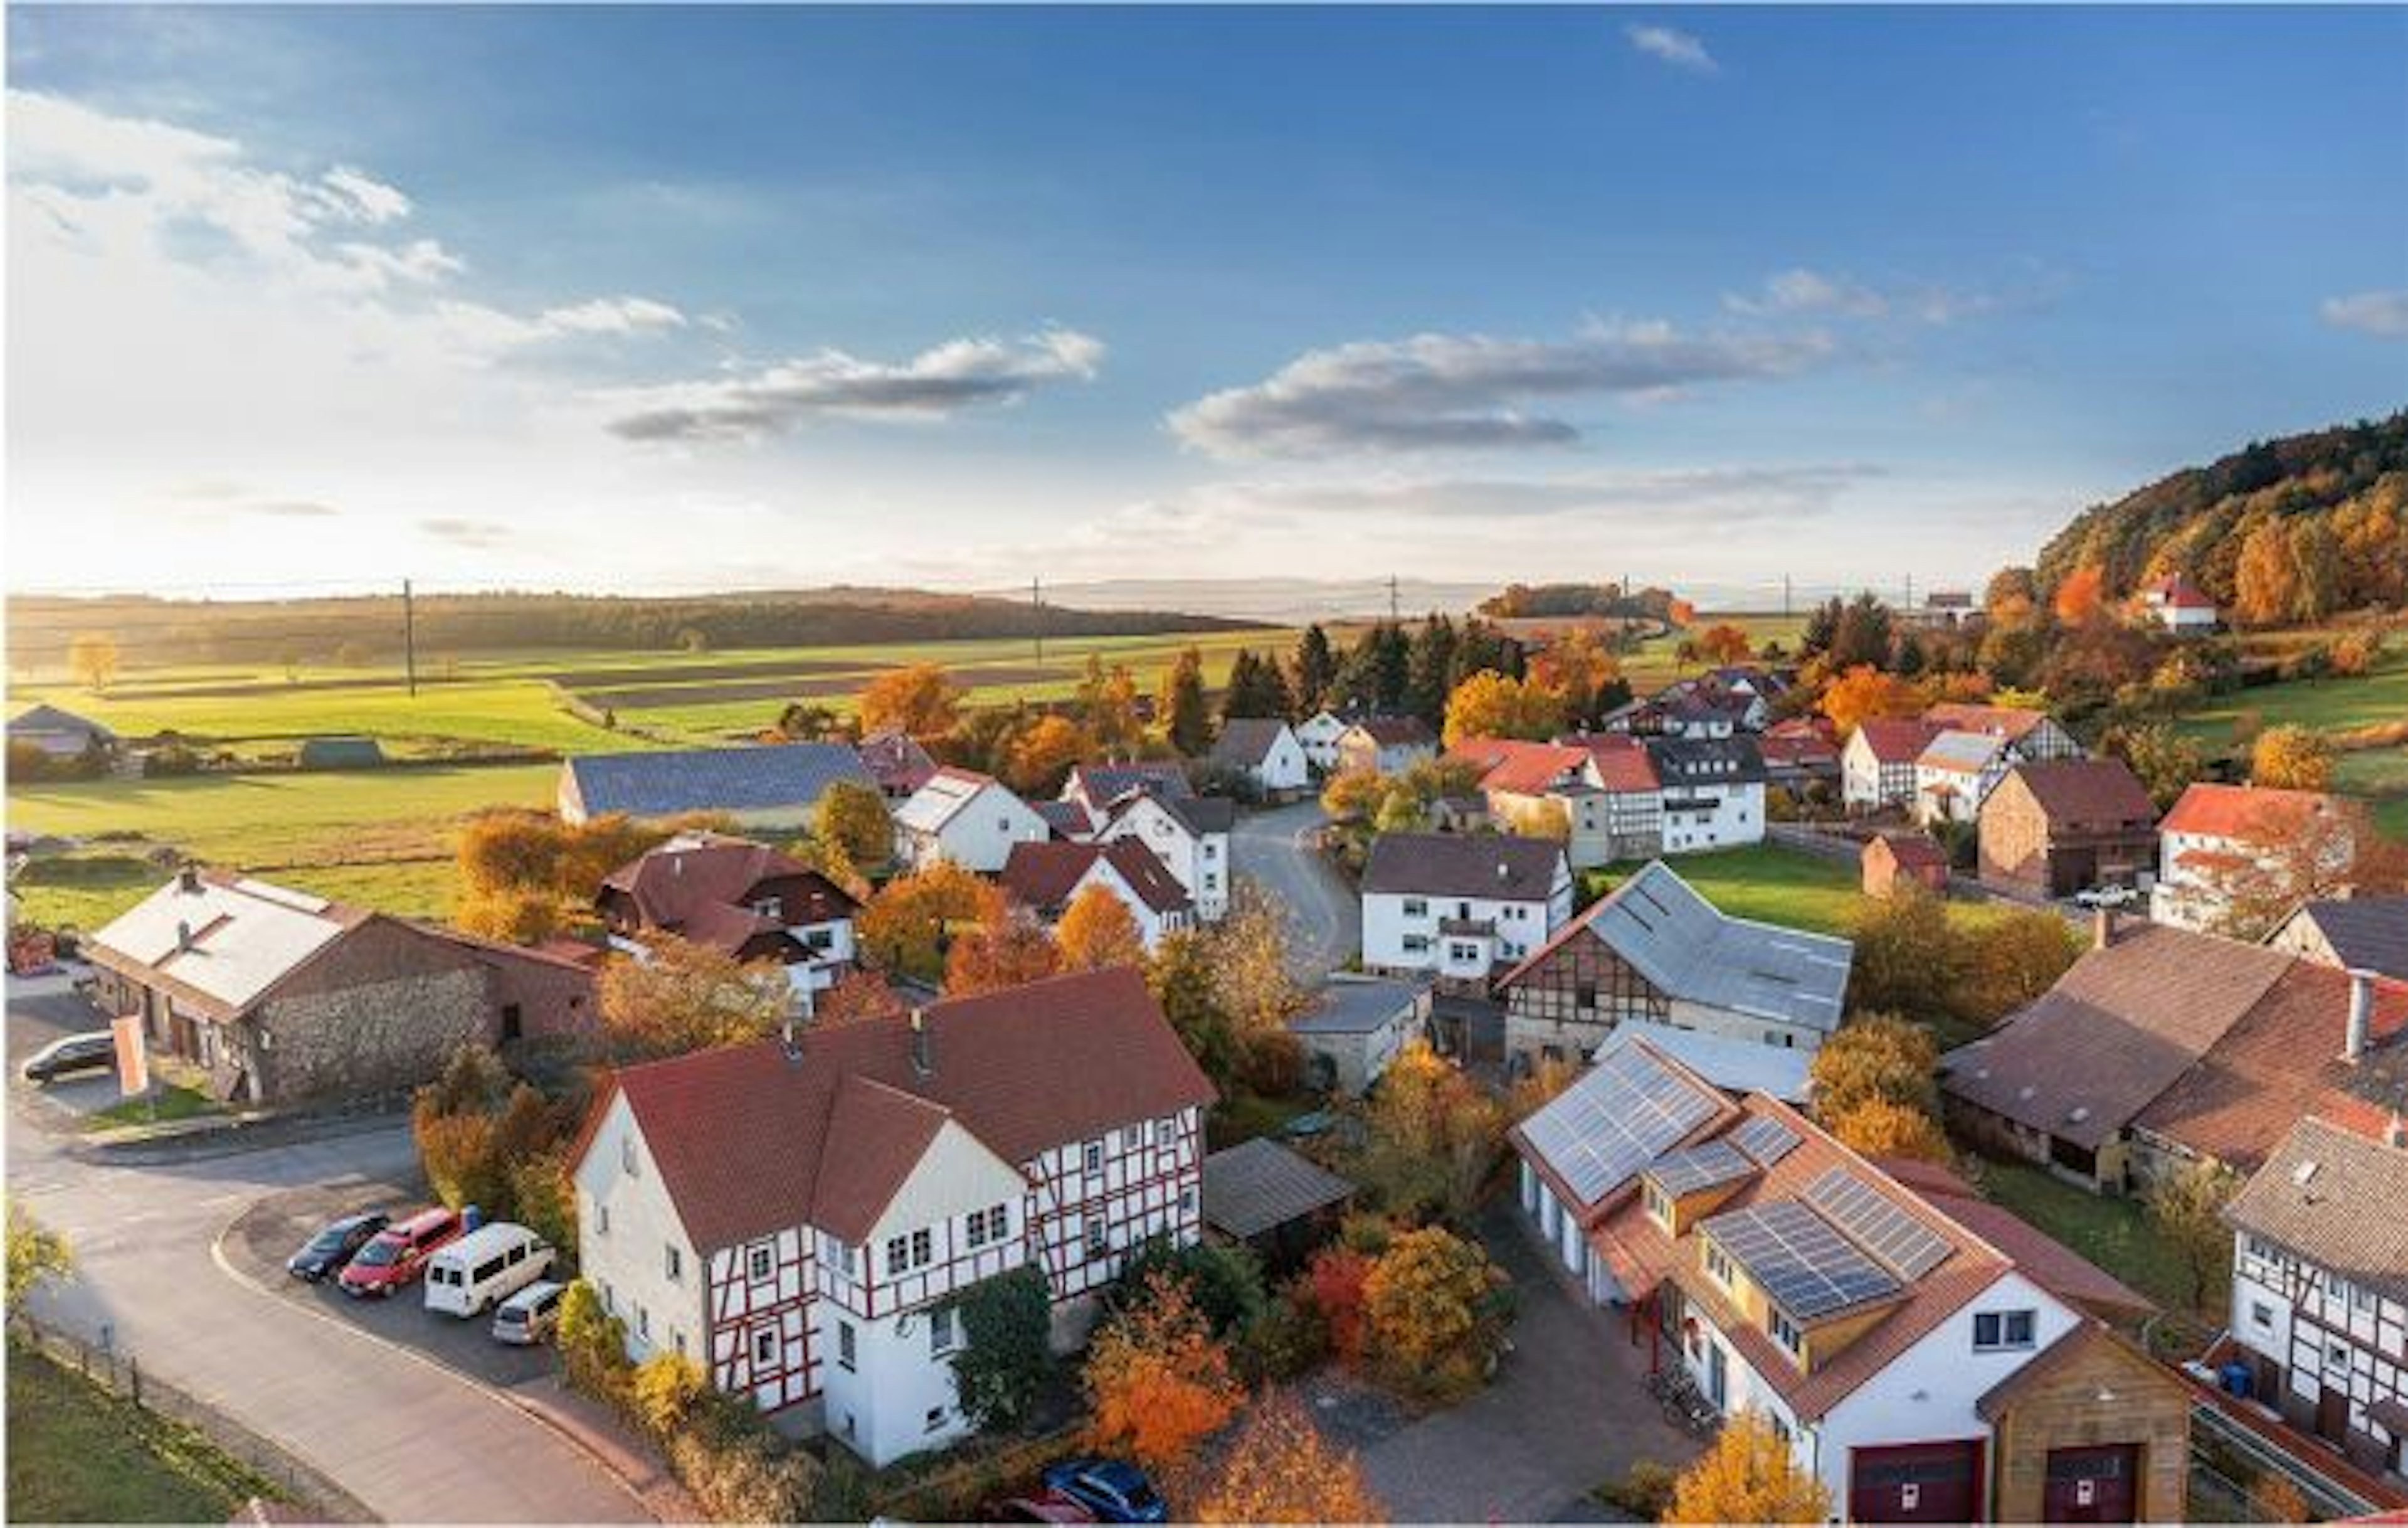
{"x":1706,"y":1165}
{"x":1766,"y":1139}
{"x":1622,"y":1113}
{"x":1877,"y":1223}
{"x":1802,"y":1261}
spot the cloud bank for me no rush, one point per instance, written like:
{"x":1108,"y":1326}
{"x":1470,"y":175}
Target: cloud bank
{"x":2382,"y":314}
{"x":1681,"y":50}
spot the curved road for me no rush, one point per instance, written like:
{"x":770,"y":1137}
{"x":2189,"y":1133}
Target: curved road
{"x":414,"y":1441}
{"x":1324,"y":915}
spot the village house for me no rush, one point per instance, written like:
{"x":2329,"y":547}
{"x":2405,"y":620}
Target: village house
{"x":1601,"y":788}
{"x":1187,"y":832}
{"x":1654,"y":951}
{"x":1891,"y":860}
{"x":280,"y":995}
{"x":2063,"y":826}
{"x":969,"y":818}
{"x":1801,"y":754}
{"x":1386,"y":744}
{"x":739,"y":897}
{"x":1318,"y":735}
{"x":1712,"y":792}
{"x":1942,"y":610}
{"x":2320,"y":1288}
{"x":1458,"y":906}
{"x":2352,"y":932}
{"x":2163,"y":1046}
{"x":2218,"y":836}
{"x":1045,"y":878}
{"x":769,"y":788}
{"x":1097,"y":787}
{"x":1266,"y":751}
{"x":2180,"y":606}
{"x":1356,"y":1026}
{"x":897,"y":762}
{"x":59,"y":734}
{"x":1954,"y":773}
{"x":1877,"y":765}
{"x":1922,"y":1371}
{"x":803,"y":1216}
{"x":2031,"y":736}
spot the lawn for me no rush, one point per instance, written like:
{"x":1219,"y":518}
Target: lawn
{"x":76,"y":1454}
{"x":2328,"y":705}
{"x":174,"y":1101}
{"x":2112,"y":1231}
{"x":1768,"y":884}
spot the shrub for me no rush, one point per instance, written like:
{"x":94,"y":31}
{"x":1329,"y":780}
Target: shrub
{"x":1224,"y":1281}
{"x":1006,"y":1357}
{"x":593,"y":1346}
{"x":748,"y":1479}
{"x":171,"y":760}
{"x":1645,"y":1491}
{"x":1289,"y":1339}
{"x":665,"y":1390}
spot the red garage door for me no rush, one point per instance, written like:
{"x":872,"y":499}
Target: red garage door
{"x":2093,"y":1485}
{"x":1917,"y":1482}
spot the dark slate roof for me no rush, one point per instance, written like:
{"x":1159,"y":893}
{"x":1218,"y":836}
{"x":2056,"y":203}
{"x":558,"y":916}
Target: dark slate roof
{"x":1247,"y":740}
{"x":2366,"y":933}
{"x":1397,"y":731}
{"x":1260,"y":1185}
{"x":2317,"y":1196}
{"x":45,"y":717}
{"x":663,"y":785}
{"x":1500,"y":865}
{"x":1101,"y":784}
{"x":1706,"y":762}
{"x":1359,"y":1005}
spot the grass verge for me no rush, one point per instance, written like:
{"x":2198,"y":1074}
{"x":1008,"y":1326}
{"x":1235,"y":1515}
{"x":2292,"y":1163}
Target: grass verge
{"x":79,"y":1454}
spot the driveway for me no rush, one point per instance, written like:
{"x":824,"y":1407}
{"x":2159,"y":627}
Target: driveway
{"x":1324,"y":915}
{"x":1570,"y":1410}
{"x":411,"y":1439}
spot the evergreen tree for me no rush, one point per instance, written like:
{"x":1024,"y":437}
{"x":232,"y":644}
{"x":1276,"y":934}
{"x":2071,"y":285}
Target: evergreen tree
{"x":1255,"y":688}
{"x":1822,"y":628}
{"x":1484,"y":645}
{"x":1863,"y":634}
{"x":1316,"y":668}
{"x":1429,"y":668}
{"x":1185,"y":713}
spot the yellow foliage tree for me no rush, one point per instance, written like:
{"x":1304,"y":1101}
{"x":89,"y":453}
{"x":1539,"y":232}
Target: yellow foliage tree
{"x":93,"y":658}
{"x":2290,"y":758}
{"x":2081,"y":595}
{"x":1280,"y":1469}
{"x":1157,"y":1382}
{"x":1879,"y":1128}
{"x":1422,"y":1314}
{"x":906,"y":925}
{"x":1043,"y":754}
{"x":1489,"y":704}
{"x":1875,"y":1055}
{"x":1864,"y":692}
{"x":852,"y":818}
{"x":2265,"y":580}
{"x":1097,"y":931}
{"x":685,"y":995}
{"x":1748,"y":1475}
{"x":922,"y":699}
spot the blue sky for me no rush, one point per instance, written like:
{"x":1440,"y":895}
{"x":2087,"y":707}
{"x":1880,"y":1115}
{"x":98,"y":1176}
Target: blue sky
{"x":641,"y":298}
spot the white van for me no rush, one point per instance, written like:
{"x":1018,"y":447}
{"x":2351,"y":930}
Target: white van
{"x":486,"y":1267}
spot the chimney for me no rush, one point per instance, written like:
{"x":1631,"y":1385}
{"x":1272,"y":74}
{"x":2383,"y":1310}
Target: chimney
{"x":789,"y":1041}
{"x":183,"y":935}
{"x":2395,"y":1133}
{"x":188,"y":879}
{"x":2361,"y":1014}
{"x":922,"y":1061}
{"x":2102,"y":928}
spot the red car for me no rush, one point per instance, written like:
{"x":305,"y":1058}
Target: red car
{"x":397,"y":1254}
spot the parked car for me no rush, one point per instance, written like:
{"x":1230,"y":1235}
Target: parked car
{"x":323,"y":1256}
{"x":1043,"y":1506}
{"x":1113,"y":1490}
{"x":396,"y":1255}
{"x":74,"y":1053}
{"x":486,"y":1267}
{"x":528,"y":1317}
{"x":2106,"y":896}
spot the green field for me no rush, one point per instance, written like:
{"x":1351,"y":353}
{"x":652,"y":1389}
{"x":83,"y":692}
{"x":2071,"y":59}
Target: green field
{"x":76,"y":1454}
{"x":1768,"y":884}
{"x":2110,"y":1231}
{"x":2328,"y":705}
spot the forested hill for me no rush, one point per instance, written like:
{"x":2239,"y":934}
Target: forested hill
{"x":2286,"y":525}
{"x":155,"y":630}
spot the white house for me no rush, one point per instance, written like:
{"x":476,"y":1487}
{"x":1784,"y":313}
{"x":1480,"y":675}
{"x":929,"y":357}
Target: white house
{"x":1318,"y":735}
{"x":1096,"y":786}
{"x":2216,"y":837}
{"x":1954,"y":773}
{"x":1877,"y":766}
{"x":969,"y":818}
{"x":1189,"y":834}
{"x":1712,"y":792}
{"x":1785,"y":1272}
{"x":740,"y":897}
{"x":2320,"y":1288}
{"x":1047,"y":877}
{"x":1458,"y":905}
{"x":1264,"y":749}
{"x":2180,"y":606}
{"x":2031,"y":735}
{"x":803,"y":1216}
{"x":1387,"y":744}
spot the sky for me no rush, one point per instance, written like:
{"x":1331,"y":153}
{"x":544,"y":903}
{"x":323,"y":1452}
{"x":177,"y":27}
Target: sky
{"x":642,"y":300}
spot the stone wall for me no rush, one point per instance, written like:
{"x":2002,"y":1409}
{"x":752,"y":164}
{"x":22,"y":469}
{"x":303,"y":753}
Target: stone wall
{"x":384,"y":1009}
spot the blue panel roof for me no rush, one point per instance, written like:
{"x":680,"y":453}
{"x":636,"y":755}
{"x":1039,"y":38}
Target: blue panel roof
{"x":753,"y":778}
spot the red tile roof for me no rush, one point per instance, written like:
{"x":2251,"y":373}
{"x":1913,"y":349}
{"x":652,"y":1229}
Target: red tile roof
{"x":747,"y":1141}
{"x":1911,"y":851}
{"x":2181,"y":592}
{"x":1517,"y":768}
{"x":2213,"y":810}
{"x":1043,"y":875}
{"x":1897,"y":739}
{"x":2009,"y":722}
{"x":1622,"y":761}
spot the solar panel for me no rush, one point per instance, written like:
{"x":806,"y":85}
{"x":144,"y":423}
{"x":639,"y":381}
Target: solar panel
{"x":1706,"y":1165}
{"x":1804,"y":1265}
{"x":1621,"y":1115}
{"x":1764,"y":1138}
{"x":1878,"y":1224}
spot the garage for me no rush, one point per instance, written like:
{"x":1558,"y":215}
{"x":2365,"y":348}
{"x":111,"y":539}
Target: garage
{"x":2093,"y":1485}
{"x":1917,"y":1482}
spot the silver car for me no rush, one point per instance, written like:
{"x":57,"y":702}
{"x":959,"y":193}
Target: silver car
{"x":527,"y":1318}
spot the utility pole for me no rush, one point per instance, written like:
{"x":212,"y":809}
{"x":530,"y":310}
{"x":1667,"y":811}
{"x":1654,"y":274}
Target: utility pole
{"x":1037,"y":604}
{"x":409,"y":638}
{"x":1392,"y":599}
{"x":1910,"y":591}
{"x":1785,"y":596}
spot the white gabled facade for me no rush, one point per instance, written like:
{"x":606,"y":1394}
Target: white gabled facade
{"x":1868,"y":782}
{"x":1284,"y":766}
{"x":1151,"y":923}
{"x":1318,"y":735}
{"x":1460,"y":938}
{"x":632,"y":1247}
{"x":967,"y":818}
{"x":1197,"y":861}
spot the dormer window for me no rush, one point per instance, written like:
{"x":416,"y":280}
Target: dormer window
{"x":1718,"y":1267}
{"x":1785,"y":1332}
{"x":1659,"y":1205}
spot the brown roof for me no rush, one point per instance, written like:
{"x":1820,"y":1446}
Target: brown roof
{"x":1397,"y":732}
{"x":749,"y":1142}
{"x":1897,"y":739}
{"x":2317,"y":1194}
{"x":2009,"y":722}
{"x":702,"y":877}
{"x":2210,"y":810}
{"x":1909,"y":850}
{"x":1504,"y":866}
{"x":2083,"y":1337}
{"x":1043,"y":875}
{"x":2118,"y":1029}
{"x":2088,"y":792}
{"x":1101,"y":785}
{"x":896,"y":761}
{"x":1518,"y":768}
{"x":1246,"y":741}
{"x":1621,"y":760}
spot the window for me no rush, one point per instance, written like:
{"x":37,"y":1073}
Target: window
{"x":1996,"y":1331}
{"x":2337,"y":1354}
{"x":844,"y":1347}
{"x":1585,"y":995}
{"x":924,"y":1249}
{"x":1416,"y":907}
{"x":1132,"y":1137}
{"x":764,"y":1350}
{"x":1718,"y":1265}
{"x":1187,"y":1199}
{"x":1415,"y":943}
{"x":760,"y":1260}
{"x":935,"y":1419}
{"x":602,"y":1219}
{"x":1094,"y":1156}
{"x":974,"y":1234}
{"x":1785,"y":1332}
{"x":1659,"y":1205}
{"x":1166,"y":1130}
{"x":941,"y":1332}
{"x":628,"y":1155}
{"x":766,"y":907}
{"x":898,"y":1255}
{"x":845,"y":1255}
{"x":1211,"y":880}
{"x":643,"y":1323}
{"x":2260,"y":1313}
{"x":1095,"y":1238}
{"x":609,"y":1299}
{"x":675,"y":1263}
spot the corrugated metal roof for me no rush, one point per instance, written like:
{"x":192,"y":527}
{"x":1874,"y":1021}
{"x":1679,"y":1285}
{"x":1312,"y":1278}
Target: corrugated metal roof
{"x":229,"y":940}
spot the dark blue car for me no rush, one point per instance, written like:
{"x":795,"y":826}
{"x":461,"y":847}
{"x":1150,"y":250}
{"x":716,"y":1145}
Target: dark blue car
{"x":324,"y":1254}
{"x":1113,"y":1491}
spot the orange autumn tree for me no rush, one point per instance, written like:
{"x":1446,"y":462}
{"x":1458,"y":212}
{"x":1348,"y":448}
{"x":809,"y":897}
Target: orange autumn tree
{"x":857,"y":995}
{"x":1335,"y":1280}
{"x":1280,"y":1469}
{"x":2081,"y":596}
{"x":1157,"y":1382}
{"x":1865,"y":692}
{"x":1748,"y":1475}
{"x":1880,"y":1127}
{"x":905,"y":927}
{"x":1011,"y":949}
{"x":922,"y":699}
{"x":1097,"y":931}
{"x":1724,"y":644}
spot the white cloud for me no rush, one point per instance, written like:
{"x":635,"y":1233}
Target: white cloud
{"x":1799,"y":292}
{"x":2382,"y":314}
{"x":370,"y":201}
{"x":1439,"y":392}
{"x":1681,"y":50}
{"x":832,"y":383}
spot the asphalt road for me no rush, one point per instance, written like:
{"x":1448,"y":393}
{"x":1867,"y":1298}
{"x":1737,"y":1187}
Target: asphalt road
{"x":1324,"y":917}
{"x":411,"y":1439}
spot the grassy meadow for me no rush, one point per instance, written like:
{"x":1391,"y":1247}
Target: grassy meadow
{"x":2331,"y":705}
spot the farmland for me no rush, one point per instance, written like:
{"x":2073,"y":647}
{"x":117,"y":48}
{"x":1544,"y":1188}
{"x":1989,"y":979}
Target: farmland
{"x":2329,"y":706}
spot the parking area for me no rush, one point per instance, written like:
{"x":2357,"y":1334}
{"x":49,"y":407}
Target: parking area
{"x":45,"y":1008}
{"x":258,"y":1242}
